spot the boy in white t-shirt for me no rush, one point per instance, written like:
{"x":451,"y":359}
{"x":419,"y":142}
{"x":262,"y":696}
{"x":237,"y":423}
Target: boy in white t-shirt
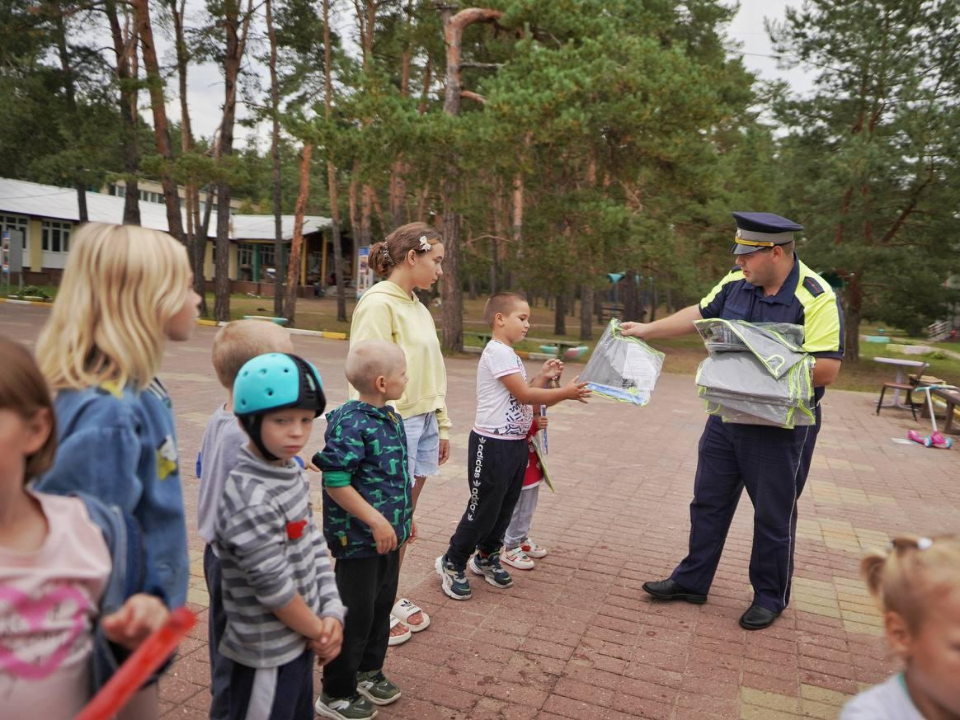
{"x":497,"y":456}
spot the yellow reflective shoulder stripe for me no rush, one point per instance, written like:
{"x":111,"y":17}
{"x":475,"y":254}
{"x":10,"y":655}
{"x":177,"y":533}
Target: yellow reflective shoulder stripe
{"x":730,"y":277}
{"x":821,"y":315}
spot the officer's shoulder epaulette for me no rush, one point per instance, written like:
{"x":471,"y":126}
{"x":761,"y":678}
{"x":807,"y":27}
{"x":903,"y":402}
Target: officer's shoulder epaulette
{"x":812,"y":286}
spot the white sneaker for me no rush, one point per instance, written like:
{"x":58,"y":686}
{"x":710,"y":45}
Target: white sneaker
{"x":517,"y":558}
{"x":532,"y":549}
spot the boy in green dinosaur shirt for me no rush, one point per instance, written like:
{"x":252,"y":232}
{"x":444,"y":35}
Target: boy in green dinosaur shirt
{"x":367,"y":516}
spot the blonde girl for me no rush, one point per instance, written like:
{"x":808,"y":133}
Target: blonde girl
{"x":125,"y":291}
{"x":410,"y":259}
{"x":70,"y":570}
{"x":917,"y":582}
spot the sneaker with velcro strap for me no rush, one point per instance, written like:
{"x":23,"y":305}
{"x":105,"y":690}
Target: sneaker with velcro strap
{"x":491,"y":569}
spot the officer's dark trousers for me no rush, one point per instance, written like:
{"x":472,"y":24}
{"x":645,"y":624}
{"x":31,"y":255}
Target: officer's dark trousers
{"x":772,"y":464}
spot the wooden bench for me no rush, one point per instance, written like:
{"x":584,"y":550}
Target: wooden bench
{"x":952,"y":400}
{"x":608,"y":311}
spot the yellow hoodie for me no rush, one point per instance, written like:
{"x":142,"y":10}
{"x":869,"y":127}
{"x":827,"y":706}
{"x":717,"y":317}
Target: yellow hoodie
{"x":386,"y":312}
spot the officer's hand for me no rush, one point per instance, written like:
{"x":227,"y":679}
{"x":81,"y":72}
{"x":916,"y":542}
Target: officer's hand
{"x":384,"y":535}
{"x":634,"y":329}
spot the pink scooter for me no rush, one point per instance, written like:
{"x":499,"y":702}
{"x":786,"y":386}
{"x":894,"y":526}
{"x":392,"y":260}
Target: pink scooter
{"x":936,"y":440}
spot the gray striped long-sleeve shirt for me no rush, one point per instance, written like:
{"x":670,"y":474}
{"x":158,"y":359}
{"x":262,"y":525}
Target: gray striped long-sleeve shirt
{"x":270,"y":549}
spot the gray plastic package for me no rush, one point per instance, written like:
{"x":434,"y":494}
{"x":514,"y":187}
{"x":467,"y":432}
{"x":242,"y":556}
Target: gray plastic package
{"x":623,"y":368}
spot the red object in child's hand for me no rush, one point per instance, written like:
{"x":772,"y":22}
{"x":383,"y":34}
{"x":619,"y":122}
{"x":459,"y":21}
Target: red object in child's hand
{"x":295,"y":529}
{"x":139,"y":667}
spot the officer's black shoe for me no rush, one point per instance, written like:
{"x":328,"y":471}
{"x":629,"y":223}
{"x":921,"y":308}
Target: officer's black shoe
{"x":758,"y":618}
{"x":669,"y":590}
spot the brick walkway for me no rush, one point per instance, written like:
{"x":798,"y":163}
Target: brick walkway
{"x":576,"y":637}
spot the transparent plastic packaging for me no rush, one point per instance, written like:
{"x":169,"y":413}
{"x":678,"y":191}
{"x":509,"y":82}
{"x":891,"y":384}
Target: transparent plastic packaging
{"x":756,"y":374}
{"x":623,"y":368}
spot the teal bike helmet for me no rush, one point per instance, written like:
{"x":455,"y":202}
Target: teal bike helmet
{"x":276,"y":381}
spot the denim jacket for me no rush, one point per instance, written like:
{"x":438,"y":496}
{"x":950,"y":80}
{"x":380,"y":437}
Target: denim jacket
{"x":119,"y":445}
{"x":129,"y":575}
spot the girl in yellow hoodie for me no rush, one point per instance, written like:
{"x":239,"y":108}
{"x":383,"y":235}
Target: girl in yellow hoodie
{"x":410,"y":259}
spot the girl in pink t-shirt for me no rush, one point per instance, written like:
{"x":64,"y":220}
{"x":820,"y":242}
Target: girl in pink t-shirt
{"x":55,"y":565}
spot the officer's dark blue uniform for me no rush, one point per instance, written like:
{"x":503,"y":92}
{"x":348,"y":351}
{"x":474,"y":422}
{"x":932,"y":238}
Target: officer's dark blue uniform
{"x":772,"y":463}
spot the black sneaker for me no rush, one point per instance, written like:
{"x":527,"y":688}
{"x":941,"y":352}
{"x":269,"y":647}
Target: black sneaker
{"x":453,"y":581}
{"x":491,"y":569}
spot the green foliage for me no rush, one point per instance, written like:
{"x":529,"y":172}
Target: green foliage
{"x":869,"y":163}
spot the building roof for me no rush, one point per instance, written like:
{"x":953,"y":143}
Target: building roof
{"x":57,"y":203}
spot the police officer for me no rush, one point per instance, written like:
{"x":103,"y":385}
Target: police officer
{"x":769,"y":284}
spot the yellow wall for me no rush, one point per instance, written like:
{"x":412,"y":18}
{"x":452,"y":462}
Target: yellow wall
{"x":208,"y":269}
{"x":35,"y":261}
{"x":208,"y":261}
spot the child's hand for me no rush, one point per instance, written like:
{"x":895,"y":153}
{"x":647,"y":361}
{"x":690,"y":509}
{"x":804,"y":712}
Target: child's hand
{"x":576,"y":390}
{"x":326,"y":645}
{"x":384,"y":535}
{"x":552,"y":369}
{"x":312,"y":467}
{"x":444,"y":452}
{"x":414,"y":533}
{"x":132,"y":624}
{"x":541,"y":422}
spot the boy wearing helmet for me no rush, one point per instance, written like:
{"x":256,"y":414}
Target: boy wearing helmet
{"x":367,"y":517}
{"x":279,"y":591}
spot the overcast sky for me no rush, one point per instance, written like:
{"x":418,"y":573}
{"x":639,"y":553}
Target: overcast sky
{"x":206,"y":85}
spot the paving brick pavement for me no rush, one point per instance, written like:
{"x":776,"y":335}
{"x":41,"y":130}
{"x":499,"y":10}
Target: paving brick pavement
{"x":576,"y":637}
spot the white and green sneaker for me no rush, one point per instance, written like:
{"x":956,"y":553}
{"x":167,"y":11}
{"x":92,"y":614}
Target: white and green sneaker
{"x":376,"y":688}
{"x":351,"y":708}
{"x":491,"y":569}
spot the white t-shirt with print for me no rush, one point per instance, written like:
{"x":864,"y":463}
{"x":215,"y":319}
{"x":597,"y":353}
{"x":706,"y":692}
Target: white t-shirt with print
{"x":499,"y":413}
{"x":887,"y":701}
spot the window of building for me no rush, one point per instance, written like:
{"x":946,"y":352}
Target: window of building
{"x":267,"y":256}
{"x":13,"y":222}
{"x":56,"y":236}
{"x":245,"y":255}
{"x":118,"y":190}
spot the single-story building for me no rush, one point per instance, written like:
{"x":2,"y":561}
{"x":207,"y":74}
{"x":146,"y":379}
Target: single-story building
{"x":47,"y":215}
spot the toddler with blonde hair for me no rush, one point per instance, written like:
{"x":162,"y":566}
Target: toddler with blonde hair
{"x":917,"y":582}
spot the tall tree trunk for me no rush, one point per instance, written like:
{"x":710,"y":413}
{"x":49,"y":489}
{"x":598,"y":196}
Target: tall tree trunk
{"x":161,"y":128}
{"x":654,"y":300}
{"x":231,"y":66}
{"x":632,"y":310}
{"x":852,"y":312}
{"x":296,"y":245}
{"x":332,"y":172}
{"x":63,"y":52}
{"x":560,"y":314}
{"x":275,"y":159}
{"x":196,"y":241}
{"x":453,"y":27}
{"x":586,"y":312}
{"x":124,"y":48}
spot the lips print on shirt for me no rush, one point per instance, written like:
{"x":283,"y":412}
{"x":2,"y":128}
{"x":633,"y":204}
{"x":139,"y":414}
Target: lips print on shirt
{"x":39,"y":632}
